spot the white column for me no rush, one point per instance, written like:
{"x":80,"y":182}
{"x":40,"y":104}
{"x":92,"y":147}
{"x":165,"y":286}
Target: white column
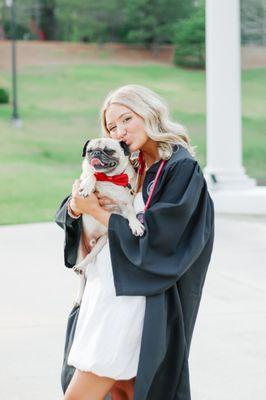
{"x":223,"y":74}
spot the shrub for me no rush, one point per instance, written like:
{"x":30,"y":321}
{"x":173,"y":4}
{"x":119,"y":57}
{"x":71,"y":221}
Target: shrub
{"x":4,"y":96}
{"x":189,"y":40}
{"x":21,"y":30}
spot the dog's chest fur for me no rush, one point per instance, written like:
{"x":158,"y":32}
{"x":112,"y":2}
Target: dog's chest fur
{"x":120,"y":194}
{"x":93,"y":229}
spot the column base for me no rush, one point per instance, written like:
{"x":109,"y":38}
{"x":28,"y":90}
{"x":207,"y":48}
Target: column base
{"x":228,"y":180}
{"x":246,"y":202}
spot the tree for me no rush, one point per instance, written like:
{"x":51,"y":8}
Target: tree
{"x":48,"y":19}
{"x":33,"y":18}
{"x":148,"y":22}
{"x":190,"y":40}
{"x":151,"y":22}
{"x":253,"y":22}
{"x":94,"y":20}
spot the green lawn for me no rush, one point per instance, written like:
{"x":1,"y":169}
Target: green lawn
{"x":59,"y":105}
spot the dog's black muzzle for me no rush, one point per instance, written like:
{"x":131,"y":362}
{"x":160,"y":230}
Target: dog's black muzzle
{"x":106,"y":161}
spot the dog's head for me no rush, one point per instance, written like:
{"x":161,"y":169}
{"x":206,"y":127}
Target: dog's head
{"x":106,"y":155}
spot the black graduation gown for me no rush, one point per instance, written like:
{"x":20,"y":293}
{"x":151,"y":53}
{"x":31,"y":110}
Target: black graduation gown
{"x":168,"y":265}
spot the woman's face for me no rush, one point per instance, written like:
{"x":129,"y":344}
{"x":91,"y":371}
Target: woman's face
{"x":124,"y":124}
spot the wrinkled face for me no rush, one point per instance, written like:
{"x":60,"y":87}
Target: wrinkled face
{"x":124,"y":124}
{"x":106,"y":155}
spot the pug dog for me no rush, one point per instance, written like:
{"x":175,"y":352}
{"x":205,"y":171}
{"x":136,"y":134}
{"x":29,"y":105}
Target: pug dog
{"x":106,"y":168}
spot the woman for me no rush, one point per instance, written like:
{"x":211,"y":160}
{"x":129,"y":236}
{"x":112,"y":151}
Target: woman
{"x":159,"y":275}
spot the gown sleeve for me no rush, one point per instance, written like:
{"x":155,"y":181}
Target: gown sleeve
{"x":178,"y":228}
{"x":72,"y":229}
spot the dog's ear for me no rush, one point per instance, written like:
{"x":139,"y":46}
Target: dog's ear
{"x":84,"y":148}
{"x":124,"y":147}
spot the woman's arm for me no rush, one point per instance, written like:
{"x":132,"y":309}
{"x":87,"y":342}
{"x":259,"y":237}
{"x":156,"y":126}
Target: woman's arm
{"x":67,"y":212}
{"x":72,"y":229}
{"x":178,"y":234}
{"x":62,"y":217}
{"x":72,"y":224}
{"x":75,"y":205}
{"x":90,"y":205}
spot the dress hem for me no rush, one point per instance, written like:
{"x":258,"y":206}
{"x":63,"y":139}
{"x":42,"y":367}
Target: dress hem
{"x":102,"y":376}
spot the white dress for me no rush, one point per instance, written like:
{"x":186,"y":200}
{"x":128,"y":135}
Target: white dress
{"x":109,"y":327}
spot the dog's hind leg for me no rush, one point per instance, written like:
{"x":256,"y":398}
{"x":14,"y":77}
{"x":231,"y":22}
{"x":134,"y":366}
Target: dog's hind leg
{"x":80,"y":268}
{"x":135,"y":225}
{"x":89,"y":257}
{"x":81,"y":288}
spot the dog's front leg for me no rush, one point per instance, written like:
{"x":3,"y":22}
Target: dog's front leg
{"x":87,"y":185}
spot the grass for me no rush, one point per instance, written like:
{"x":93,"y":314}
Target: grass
{"x":60,"y":104}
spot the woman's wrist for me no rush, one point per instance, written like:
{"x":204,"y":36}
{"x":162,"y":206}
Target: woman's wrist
{"x":95,"y":210}
{"x":71,"y":210}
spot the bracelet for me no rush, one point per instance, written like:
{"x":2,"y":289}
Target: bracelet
{"x":71,"y":212}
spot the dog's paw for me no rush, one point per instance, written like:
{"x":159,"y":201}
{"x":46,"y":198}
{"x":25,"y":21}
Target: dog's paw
{"x":85,"y":192}
{"x":137,"y":228}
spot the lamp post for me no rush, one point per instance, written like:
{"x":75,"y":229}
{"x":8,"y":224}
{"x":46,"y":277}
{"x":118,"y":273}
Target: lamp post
{"x":15,"y":116}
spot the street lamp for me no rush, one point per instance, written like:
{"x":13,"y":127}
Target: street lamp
{"x":15,"y":117}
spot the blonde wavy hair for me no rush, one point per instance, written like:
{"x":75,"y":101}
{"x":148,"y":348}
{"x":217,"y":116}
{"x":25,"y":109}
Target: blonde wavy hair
{"x":154,"y":111}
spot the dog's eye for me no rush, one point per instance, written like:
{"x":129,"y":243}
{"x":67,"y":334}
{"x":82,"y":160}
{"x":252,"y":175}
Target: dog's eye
{"x":110,"y":152}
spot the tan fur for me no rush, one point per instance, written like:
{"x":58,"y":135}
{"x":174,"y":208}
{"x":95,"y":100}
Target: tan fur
{"x":94,"y":234}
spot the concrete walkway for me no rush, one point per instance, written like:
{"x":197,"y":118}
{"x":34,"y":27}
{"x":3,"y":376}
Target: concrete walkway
{"x":228,"y":353}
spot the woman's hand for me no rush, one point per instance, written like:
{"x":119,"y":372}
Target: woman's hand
{"x":83,"y":205}
{"x":89,"y":205}
{"x":73,"y":204}
{"x":105,"y":202}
